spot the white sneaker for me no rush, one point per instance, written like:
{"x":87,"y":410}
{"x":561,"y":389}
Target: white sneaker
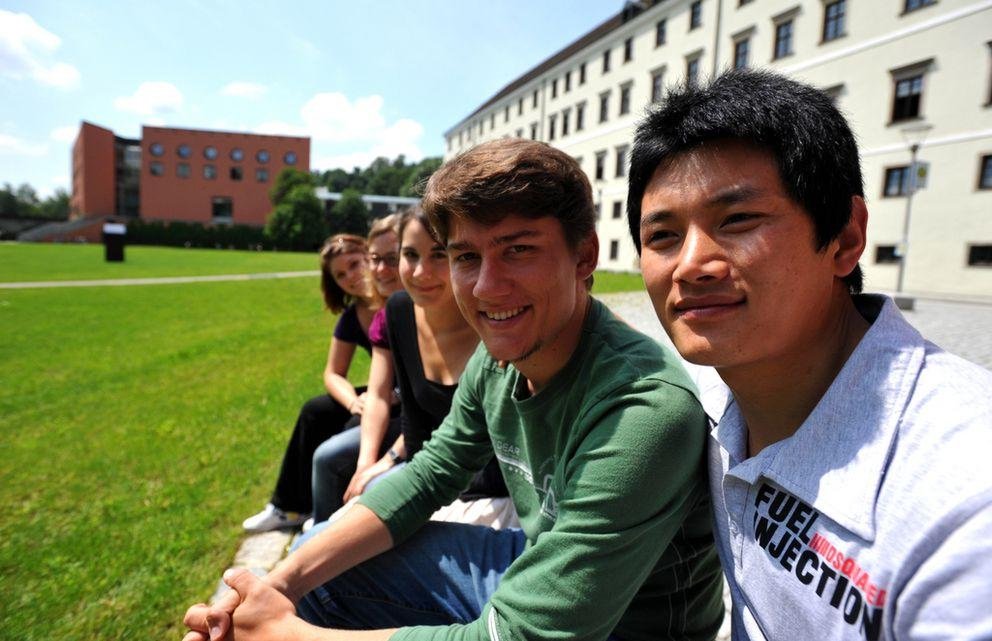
{"x":272,"y":518}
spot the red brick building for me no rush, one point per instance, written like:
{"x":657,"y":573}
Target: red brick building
{"x":180,"y":174}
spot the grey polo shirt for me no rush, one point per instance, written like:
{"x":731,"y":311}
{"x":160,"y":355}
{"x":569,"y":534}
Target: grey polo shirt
{"x":874,"y":520}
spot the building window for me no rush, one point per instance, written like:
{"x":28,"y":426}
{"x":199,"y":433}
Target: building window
{"x":261,"y":175}
{"x":210,"y":153}
{"x":506,"y":114}
{"x":520,"y":133}
{"x":906,"y":103}
{"x":578,"y":160}
{"x":237,"y":155}
{"x":604,"y":106}
{"x":985,"y":173}
{"x":783,"y":39}
{"x":622,"y":161}
{"x":614,"y":249}
{"x":156,"y":168}
{"x":741,"y":50}
{"x":913,"y":5}
{"x":290,"y":158}
{"x":625,"y":99}
{"x":659,"y":32}
{"x":565,"y":114}
{"x":554,"y":88}
{"x":222,"y":207}
{"x":492,"y":121}
{"x":617,"y":208}
{"x":568,"y":81}
{"x":896,"y":182}
{"x":551,"y":126}
{"x":582,"y":74}
{"x":606,"y":61}
{"x":156,"y":149}
{"x":834,"y":92}
{"x":657,"y":85}
{"x":628,"y":49}
{"x":182,"y":169}
{"x":183,"y":151}
{"x":520,"y":106}
{"x":692,"y":70}
{"x":236,"y":173}
{"x":886,"y":254}
{"x":533,"y":100}
{"x":696,"y":15}
{"x":580,"y":116}
{"x":209,"y":172}
{"x":833,"y":20}
{"x":980,"y":256}
{"x":262,"y":156}
{"x":533,"y":131}
{"x":600,"y":165}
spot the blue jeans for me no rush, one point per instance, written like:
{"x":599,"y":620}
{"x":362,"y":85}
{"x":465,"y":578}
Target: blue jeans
{"x":334,"y":463}
{"x":443,"y":574}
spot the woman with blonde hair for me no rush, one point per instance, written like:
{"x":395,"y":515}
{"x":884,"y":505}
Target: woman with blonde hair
{"x":355,"y":290}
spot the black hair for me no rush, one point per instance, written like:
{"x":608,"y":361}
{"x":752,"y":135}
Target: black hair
{"x":810,"y":140}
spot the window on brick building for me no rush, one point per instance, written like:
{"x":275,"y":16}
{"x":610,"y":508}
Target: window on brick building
{"x":156,"y":168}
{"x":237,"y":173}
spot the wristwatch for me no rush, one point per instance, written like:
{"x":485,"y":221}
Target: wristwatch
{"x":394,"y":457}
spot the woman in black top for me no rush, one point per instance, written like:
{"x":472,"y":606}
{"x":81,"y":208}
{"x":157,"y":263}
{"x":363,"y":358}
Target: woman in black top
{"x":350,"y":289}
{"x":430,"y":344}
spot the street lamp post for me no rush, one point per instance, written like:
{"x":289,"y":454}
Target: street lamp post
{"x":914,"y":136}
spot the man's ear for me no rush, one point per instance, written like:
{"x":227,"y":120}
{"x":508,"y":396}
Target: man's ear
{"x":850,"y":243}
{"x":588,"y":256}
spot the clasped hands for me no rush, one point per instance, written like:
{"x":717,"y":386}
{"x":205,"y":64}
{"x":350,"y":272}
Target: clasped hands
{"x":253,"y":610}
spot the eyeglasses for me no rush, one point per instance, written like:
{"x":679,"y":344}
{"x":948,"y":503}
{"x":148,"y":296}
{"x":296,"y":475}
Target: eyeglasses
{"x":391,"y":260}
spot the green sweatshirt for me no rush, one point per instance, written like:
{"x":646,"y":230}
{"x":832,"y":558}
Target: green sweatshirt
{"x":605,"y":468}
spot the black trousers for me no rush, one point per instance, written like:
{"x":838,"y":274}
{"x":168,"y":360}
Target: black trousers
{"x":320,"y":418}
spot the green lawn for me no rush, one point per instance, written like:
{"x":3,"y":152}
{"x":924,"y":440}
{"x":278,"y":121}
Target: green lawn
{"x":43,"y":261}
{"x":139,"y":426}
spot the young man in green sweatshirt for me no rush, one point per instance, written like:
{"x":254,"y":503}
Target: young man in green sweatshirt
{"x":597,"y":430}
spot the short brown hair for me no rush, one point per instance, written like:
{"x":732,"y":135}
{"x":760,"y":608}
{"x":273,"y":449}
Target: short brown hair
{"x":338,"y":245}
{"x":384,"y":225}
{"x":511,"y":176}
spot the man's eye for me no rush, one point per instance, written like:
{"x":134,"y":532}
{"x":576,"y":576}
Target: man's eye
{"x":465,"y":257}
{"x":519,"y":249}
{"x":740,"y":218}
{"x":659,"y":236}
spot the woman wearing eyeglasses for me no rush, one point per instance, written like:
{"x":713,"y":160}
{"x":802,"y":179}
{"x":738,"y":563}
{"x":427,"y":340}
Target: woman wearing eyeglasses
{"x":356,"y":277}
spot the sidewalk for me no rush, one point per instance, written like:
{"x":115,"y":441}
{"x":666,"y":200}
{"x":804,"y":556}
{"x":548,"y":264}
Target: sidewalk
{"x":166,"y":280}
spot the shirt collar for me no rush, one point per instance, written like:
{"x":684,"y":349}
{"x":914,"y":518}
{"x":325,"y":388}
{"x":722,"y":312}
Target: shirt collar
{"x":836,"y":459}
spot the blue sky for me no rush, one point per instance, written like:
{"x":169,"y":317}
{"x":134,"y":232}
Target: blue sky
{"x":361,"y":79}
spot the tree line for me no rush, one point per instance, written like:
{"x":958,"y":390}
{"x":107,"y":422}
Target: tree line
{"x":23,"y":202}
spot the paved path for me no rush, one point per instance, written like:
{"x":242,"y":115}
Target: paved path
{"x":167,"y":280}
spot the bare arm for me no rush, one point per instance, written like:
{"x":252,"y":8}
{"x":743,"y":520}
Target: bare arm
{"x":375,"y":417}
{"x":335,"y":375}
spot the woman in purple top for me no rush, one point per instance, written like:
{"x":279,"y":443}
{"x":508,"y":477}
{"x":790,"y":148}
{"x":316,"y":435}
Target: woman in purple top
{"x":356,"y":277}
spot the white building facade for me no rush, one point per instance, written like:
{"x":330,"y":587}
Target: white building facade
{"x":905,"y":73}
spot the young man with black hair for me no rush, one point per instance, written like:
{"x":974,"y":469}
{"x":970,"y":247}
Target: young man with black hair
{"x":848,"y":468}
{"x":597,"y":429}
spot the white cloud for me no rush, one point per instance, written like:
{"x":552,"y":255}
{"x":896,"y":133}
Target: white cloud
{"x":249,"y":90}
{"x":26,"y":50}
{"x":64,"y":134}
{"x":9,"y":145}
{"x":151,"y":98}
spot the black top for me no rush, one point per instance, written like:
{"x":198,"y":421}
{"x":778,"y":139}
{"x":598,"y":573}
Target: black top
{"x":349,"y":330}
{"x":425,"y":402}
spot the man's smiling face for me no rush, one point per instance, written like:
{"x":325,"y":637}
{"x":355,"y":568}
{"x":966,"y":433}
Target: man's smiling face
{"x":730,"y":260}
{"x":517,"y":284}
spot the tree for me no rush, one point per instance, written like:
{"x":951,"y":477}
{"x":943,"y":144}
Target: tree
{"x":297,"y":222}
{"x":350,"y":215}
{"x":56,"y":206}
{"x":287,"y":179}
{"x":418,"y":176}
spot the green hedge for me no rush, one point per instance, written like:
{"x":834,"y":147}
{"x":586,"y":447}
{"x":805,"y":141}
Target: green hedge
{"x":191,"y":234}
